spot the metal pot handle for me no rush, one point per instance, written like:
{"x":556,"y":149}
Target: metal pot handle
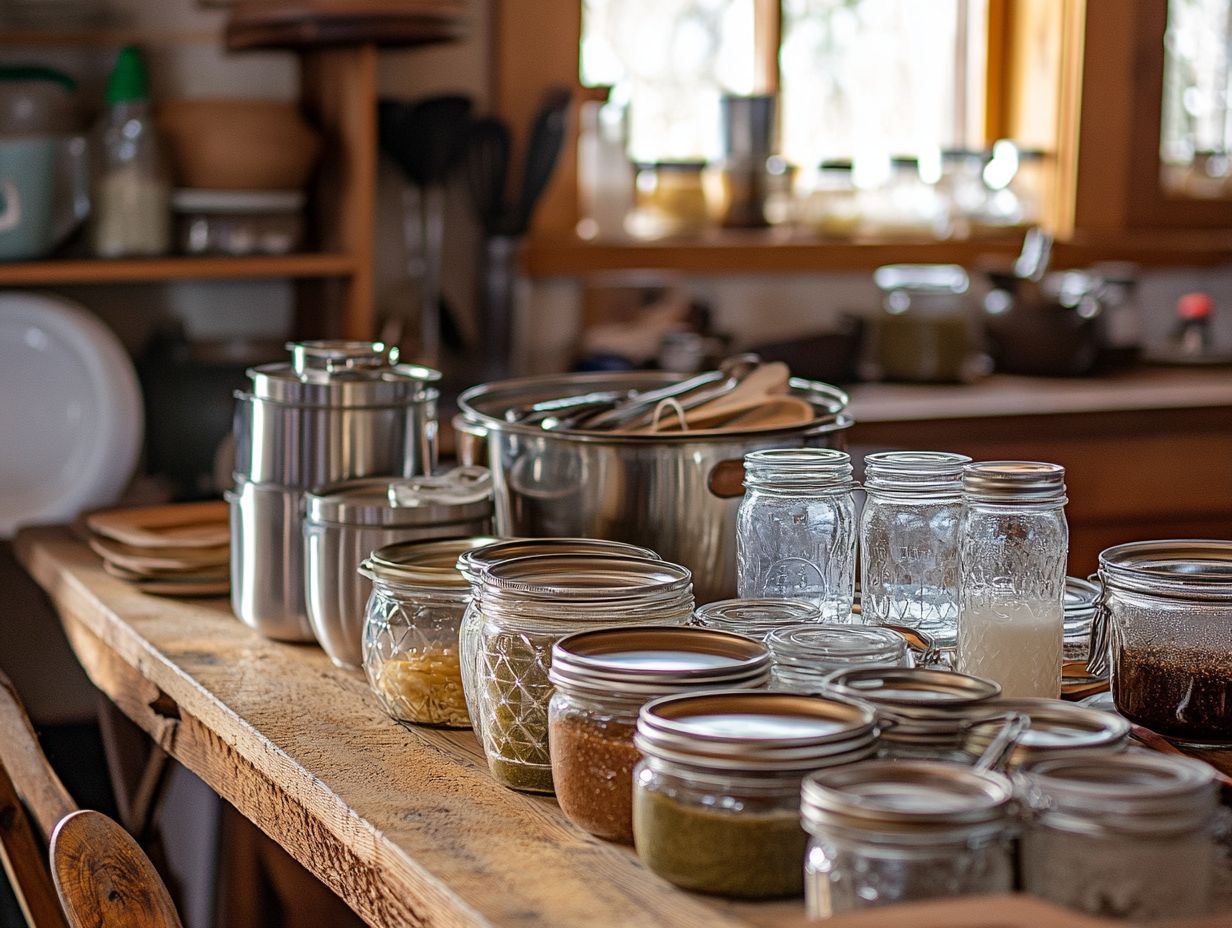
{"x":1098,"y":641}
{"x":472,"y":441}
{"x":726,"y":480}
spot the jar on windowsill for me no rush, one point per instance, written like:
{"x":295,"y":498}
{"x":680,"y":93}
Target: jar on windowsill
{"x":602,"y":680}
{"x":530,"y":603}
{"x":716,"y":798}
{"x":756,"y":618}
{"x":805,"y":655}
{"x":670,"y":201}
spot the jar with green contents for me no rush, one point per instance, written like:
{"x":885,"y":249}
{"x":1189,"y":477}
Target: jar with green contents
{"x":716,"y":798}
{"x":528,"y":604}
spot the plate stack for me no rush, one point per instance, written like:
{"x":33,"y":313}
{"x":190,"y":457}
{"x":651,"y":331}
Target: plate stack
{"x":175,"y":550}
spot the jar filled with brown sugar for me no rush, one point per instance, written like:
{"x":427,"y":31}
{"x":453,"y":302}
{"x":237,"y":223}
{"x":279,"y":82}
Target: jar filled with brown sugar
{"x":602,"y":680}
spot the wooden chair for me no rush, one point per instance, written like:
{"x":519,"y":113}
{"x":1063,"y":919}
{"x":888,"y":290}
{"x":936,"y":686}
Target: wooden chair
{"x":99,"y":876}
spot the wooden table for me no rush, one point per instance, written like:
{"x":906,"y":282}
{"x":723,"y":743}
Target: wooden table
{"x":405,"y":824}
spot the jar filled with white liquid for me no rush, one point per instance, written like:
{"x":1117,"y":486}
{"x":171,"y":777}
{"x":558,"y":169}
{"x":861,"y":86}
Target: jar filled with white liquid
{"x":1013,"y":545}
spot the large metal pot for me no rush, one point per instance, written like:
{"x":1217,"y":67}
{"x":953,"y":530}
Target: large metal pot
{"x":675,"y":493}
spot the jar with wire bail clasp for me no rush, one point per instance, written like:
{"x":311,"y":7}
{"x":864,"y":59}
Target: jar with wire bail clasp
{"x":887,"y":832}
{"x":528,"y":604}
{"x":805,"y":655}
{"x":755,"y":618}
{"x":1055,"y":728}
{"x":602,"y":680}
{"x":716,"y":797}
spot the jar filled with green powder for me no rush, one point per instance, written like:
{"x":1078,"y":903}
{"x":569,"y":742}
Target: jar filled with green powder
{"x":528,"y":604}
{"x":716,"y":798}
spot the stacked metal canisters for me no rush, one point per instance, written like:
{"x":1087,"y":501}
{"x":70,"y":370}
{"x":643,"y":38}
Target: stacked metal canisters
{"x":338,"y":411}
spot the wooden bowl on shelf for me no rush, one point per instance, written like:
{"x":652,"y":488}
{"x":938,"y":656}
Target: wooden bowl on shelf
{"x":239,"y":144}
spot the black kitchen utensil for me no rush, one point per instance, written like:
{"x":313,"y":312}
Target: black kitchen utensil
{"x":547,"y":137}
{"x":488,"y":151}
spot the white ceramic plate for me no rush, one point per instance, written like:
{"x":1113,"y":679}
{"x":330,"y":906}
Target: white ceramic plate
{"x":71,"y":417}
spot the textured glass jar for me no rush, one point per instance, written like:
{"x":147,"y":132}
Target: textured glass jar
{"x":1121,"y":836}
{"x":716,"y":800}
{"x":528,"y":604}
{"x":1081,"y":598}
{"x":1012,"y":553}
{"x":1055,"y":727}
{"x":410,"y":632}
{"x":909,"y":541}
{"x":796,"y":529}
{"x":805,"y":655}
{"x":755,"y":618}
{"x":888,"y":832}
{"x":602,"y":679}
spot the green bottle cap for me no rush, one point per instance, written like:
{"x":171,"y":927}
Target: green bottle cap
{"x":128,"y":82}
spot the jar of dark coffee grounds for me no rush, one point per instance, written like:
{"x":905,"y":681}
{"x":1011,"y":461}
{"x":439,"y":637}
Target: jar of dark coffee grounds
{"x":602,"y":680}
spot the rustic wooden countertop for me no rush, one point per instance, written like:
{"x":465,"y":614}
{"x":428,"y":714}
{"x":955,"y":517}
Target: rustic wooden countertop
{"x":405,"y":824}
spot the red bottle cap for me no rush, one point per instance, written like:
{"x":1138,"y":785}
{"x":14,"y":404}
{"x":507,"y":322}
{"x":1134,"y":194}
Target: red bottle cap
{"x":1195,"y":306}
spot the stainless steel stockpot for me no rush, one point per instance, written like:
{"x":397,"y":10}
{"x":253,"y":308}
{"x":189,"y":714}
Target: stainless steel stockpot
{"x":676,"y":493}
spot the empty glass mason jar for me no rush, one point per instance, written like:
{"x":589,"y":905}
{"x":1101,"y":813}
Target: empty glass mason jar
{"x":886,"y":832}
{"x":804,"y":655}
{"x":1081,"y":599}
{"x":796,"y":529}
{"x":909,"y":541}
{"x":755,"y":618}
{"x":1014,"y":543}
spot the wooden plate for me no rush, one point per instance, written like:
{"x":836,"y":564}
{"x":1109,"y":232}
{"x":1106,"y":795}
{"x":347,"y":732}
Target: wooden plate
{"x":184,"y":590}
{"x":205,"y":575}
{"x":145,"y":559}
{"x":183,"y":525}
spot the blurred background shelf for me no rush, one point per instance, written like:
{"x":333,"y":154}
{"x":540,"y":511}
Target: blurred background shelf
{"x":137,"y":270}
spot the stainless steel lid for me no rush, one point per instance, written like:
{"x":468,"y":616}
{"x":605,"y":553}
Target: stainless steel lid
{"x":1199,"y":569}
{"x":906,"y":799}
{"x":475,"y":562}
{"x":647,"y":661}
{"x":342,"y":374}
{"x":1055,"y":725}
{"x":584,"y":578}
{"x":916,"y":705}
{"x":756,"y":618}
{"x":755,"y":731}
{"x":810,"y":646}
{"x":421,"y":563}
{"x":1014,"y":482}
{"x":461,"y":495}
{"x":915,"y":472}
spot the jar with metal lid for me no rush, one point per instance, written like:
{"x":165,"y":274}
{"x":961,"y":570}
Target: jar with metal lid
{"x":410,"y":640}
{"x":1014,"y":543}
{"x":886,"y":832}
{"x":1080,"y":606}
{"x":1056,"y":727}
{"x":528,"y":604}
{"x":922,"y":713}
{"x":928,"y":331}
{"x":346,"y":522}
{"x":716,"y":798}
{"x":472,"y":565}
{"x":602,"y":680}
{"x":756,"y":618}
{"x":805,"y":655}
{"x":1166,"y":620}
{"x":1123,"y":836}
{"x":796,"y":529}
{"x":909,"y":541}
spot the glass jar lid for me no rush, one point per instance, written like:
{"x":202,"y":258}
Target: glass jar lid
{"x":646,"y":661}
{"x":1009,"y":482}
{"x":925,"y":278}
{"x":916,"y":705}
{"x":756,"y":618}
{"x":342,"y":373}
{"x":755,"y":730}
{"x":421,"y":563}
{"x":915,"y":472}
{"x":907,"y":799}
{"x":814,"y":647}
{"x":474,"y":562}
{"x":584,"y":578}
{"x":1055,"y":725}
{"x":461,"y":495}
{"x":1197,"y":569}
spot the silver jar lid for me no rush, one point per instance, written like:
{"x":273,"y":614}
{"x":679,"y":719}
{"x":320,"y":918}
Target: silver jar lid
{"x":918,"y":706}
{"x":421,"y":563}
{"x":461,"y":495}
{"x":584,"y":578}
{"x":909,"y":800}
{"x":342,"y":374}
{"x":1055,"y":726}
{"x":817,"y":647}
{"x":648,"y":661}
{"x":473,"y":563}
{"x":1014,"y":482}
{"x":915,"y":472}
{"x":1198,"y":569}
{"x":755,"y":731}
{"x":756,"y":618}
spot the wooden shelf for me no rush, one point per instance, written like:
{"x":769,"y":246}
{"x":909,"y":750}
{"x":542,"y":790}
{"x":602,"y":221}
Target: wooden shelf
{"x":140,"y":270}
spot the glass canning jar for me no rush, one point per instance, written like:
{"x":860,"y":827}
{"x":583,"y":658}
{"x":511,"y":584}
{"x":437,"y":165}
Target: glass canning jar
{"x":1081,"y":598}
{"x":602,"y":679}
{"x":1012,"y":551}
{"x":1123,"y":836}
{"x":755,"y":618}
{"x":528,"y":604}
{"x":410,"y":632}
{"x":909,"y":541}
{"x":886,"y":832}
{"x":796,"y":529}
{"x":1056,"y":727}
{"x":805,"y":655}
{"x":716,"y":798}
{"x":1166,"y":618}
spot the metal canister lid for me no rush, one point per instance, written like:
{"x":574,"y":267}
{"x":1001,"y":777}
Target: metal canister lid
{"x":584,"y":577}
{"x":342,"y":373}
{"x":421,"y":563}
{"x":1055,"y":725}
{"x":648,"y":661}
{"x":814,"y":645}
{"x":1014,"y":481}
{"x":917,"y":705}
{"x":755,"y":730}
{"x":1186,"y":568}
{"x":756,"y":618}
{"x":908,"y":799}
{"x":461,"y":495}
{"x":474,"y":562}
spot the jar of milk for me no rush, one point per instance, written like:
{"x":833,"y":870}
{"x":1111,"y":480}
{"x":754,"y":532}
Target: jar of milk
{"x":1012,"y":550}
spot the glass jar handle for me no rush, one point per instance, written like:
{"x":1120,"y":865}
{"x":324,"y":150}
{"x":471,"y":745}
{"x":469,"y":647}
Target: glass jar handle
{"x":1098,"y":642}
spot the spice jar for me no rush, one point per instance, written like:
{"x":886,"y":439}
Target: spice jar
{"x":755,"y":618}
{"x":528,"y":604}
{"x":805,"y":655}
{"x":909,"y":541}
{"x":602,"y":680}
{"x":922,"y":713}
{"x":716,"y":798}
{"x":1014,"y":542}
{"x":796,"y":529}
{"x":1125,"y":836}
{"x":1080,"y":605}
{"x":1167,"y":615}
{"x":886,"y":832}
{"x":1056,"y":727}
{"x":410,"y":640}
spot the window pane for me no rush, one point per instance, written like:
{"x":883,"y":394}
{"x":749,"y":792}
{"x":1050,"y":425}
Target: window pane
{"x":1197,"y":125}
